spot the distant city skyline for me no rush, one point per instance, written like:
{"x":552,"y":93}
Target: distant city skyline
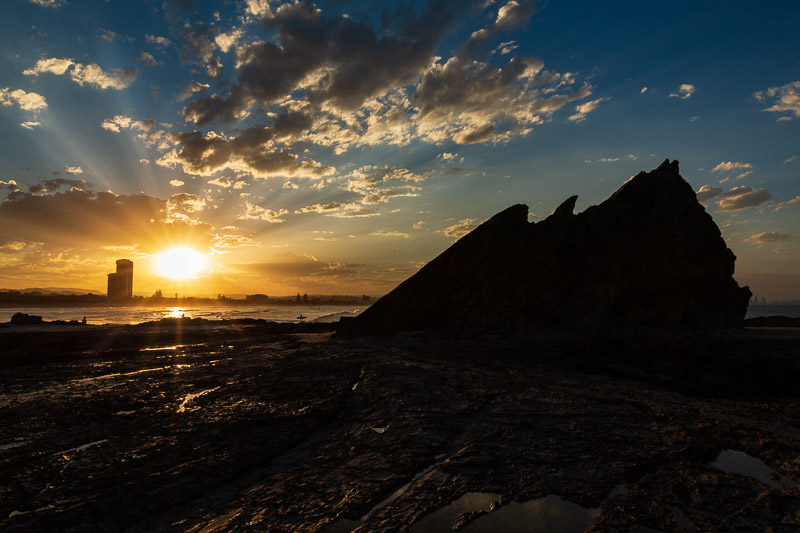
{"x":335,"y":147}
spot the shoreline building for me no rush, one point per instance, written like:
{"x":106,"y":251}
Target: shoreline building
{"x":120,"y":283}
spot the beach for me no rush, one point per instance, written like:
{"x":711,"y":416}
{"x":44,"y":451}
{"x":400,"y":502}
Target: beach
{"x":248,"y":426}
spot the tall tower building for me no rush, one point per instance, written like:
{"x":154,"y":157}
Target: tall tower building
{"x":120,"y":283}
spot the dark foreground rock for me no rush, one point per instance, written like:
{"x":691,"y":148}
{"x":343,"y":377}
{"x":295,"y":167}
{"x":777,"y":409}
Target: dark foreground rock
{"x":648,"y":256}
{"x":235,"y":429}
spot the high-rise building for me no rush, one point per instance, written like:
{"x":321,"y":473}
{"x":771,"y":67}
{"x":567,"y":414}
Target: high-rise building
{"x":120,"y":283}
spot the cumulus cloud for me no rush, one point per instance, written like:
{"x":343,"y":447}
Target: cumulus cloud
{"x":256,"y":212}
{"x":176,"y":183}
{"x":249,"y":152}
{"x":742,"y":198}
{"x":460,"y":229}
{"x":30,"y":124}
{"x":685,"y":90}
{"x":793,"y":201}
{"x":72,"y":170}
{"x":785,"y":100}
{"x":120,"y":122}
{"x":726,"y":166}
{"x":706,"y":192}
{"x":226,"y":41}
{"x":84,"y":74}
{"x":514,"y":14}
{"x":27,"y":101}
{"x":768,"y":237}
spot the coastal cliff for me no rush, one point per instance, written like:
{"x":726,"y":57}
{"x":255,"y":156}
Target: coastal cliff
{"x":648,"y":256}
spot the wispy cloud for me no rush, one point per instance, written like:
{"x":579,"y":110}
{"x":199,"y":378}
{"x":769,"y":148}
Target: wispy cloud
{"x":768,"y":237}
{"x":793,"y":201}
{"x":726,"y":166}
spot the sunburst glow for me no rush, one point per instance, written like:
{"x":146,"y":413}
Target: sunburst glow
{"x":180,"y":263}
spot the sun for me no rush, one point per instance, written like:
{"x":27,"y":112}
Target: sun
{"x":180,"y":263}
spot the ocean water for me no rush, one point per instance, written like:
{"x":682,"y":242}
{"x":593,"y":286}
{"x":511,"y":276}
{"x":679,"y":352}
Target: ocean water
{"x":287,"y":313}
{"x":135,"y":315}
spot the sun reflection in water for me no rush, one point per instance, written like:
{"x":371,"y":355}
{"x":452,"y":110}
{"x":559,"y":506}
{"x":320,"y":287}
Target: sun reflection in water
{"x":176,"y":312}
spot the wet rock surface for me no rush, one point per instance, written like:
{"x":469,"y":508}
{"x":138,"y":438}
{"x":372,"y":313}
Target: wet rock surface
{"x":238,"y":429}
{"x":648,"y":256}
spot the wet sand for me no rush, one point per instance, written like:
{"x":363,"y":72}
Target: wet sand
{"x":243,"y":427}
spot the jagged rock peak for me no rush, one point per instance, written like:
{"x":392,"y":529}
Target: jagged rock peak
{"x":647,"y":256}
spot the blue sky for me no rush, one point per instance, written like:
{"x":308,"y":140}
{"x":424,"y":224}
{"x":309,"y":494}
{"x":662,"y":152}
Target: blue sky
{"x":336,"y":147}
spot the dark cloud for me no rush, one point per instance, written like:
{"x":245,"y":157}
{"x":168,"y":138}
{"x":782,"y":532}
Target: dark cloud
{"x":742,"y":198}
{"x":248,"y":152}
{"x":88,"y":219}
{"x":359,"y":62}
{"x":707,"y":192}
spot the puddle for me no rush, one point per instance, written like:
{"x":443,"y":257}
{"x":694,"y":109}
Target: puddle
{"x":189,"y":397}
{"x":735,"y":462}
{"x":346,"y":526}
{"x":445,"y":518}
{"x":379,"y":431}
{"x":81,"y":447}
{"x":542,"y":515}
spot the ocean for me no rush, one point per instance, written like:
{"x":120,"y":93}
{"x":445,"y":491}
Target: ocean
{"x":283,"y":313}
{"x":135,"y":315}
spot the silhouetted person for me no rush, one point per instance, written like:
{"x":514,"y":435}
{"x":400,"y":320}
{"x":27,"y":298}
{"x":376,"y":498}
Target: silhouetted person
{"x":83,"y":321}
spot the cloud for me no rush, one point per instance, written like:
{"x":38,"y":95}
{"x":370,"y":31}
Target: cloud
{"x":163,"y":42}
{"x":80,"y":218}
{"x":743,"y":198}
{"x":446,"y":156}
{"x":767,"y":237}
{"x":584,"y":109}
{"x":339,"y":210}
{"x":176,"y":183}
{"x":706,"y":192}
{"x":418,"y":225}
{"x":226,"y":41}
{"x":191,"y":89}
{"x":122,"y":122}
{"x":460,"y":229}
{"x":473,"y":101}
{"x":47,"y":3}
{"x":290,"y":185}
{"x":386,"y":233}
{"x":791,"y":159}
{"x":514,"y":14}
{"x":30,"y":124}
{"x":249,"y":152}
{"x":148,"y":60}
{"x":84,"y":74}
{"x":630,"y":157}
{"x":110,"y":36}
{"x":793,"y":201}
{"x":685,"y":90}
{"x":27,"y":101}
{"x":73,"y":170}
{"x":222,"y":181}
{"x":198,"y":48}
{"x":644,"y":90}
{"x":256,"y":212}
{"x":726,"y":166}
{"x":786,"y":100}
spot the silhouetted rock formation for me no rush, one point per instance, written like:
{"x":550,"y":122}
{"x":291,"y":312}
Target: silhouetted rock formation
{"x":22,"y":318}
{"x":648,"y":256}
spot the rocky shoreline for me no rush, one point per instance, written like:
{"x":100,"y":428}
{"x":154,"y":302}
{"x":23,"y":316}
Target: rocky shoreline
{"x":239,"y":427}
